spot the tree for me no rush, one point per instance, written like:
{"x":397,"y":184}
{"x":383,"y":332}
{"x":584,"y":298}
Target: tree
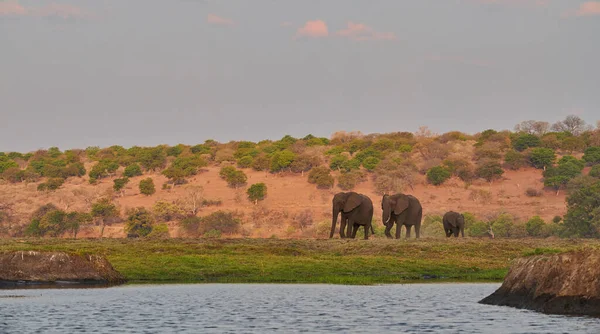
{"x":595,"y":171}
{"x":537,"y":128}
{"x":281,"y":160}
{"x":304,"y":163}
{"x":193,"y":198}
{"x":514,"y":160}
{"x":583,"y":210}
{"x":535,"y":226}
{"x":337,"y":161}
{"x":592,"y":155}
{"x":525,"y":141}
{"x":542,"y":157}
{"x":573,"y":124}
{"x":370,"y":163}
{"x":234,"y":177}
{"x":139,"y":223}
{"x":105,"y":211}
{"x":6,"y":163}
{"x":147,"y":186}
{"x":347,"y":181}
{"x":132,"y":170}
{"x":245,"y":161}
{"x":167,"y":211}
{"x":261,"y":162}
{"x":438,"y":175}
{"x":257,"y":192}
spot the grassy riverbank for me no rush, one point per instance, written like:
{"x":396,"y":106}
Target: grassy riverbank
{"x":304,"y":261}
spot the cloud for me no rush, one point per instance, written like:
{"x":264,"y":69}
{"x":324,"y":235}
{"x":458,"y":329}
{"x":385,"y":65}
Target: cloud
{"x":65,"y":11}
{"x":11,"y":8}
{"x":588,"y":9}
{"x":316,"y":28}
{"x":215,"y":19}
{"x":362,"y":32}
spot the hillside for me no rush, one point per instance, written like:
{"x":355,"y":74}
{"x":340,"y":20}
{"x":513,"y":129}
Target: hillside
{"x":520,"y":174}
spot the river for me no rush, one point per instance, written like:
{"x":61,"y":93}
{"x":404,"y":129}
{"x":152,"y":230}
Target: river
{"x":274,"y":308}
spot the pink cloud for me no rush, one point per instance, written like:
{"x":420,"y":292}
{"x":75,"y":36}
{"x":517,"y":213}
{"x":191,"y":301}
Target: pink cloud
{"x":10,"y":8}
{"x":362,"y":32}
{"x":64,"y":11}
{"x":215,"y":19}
{"x":316,"y":28}
{"x":588,"y":9}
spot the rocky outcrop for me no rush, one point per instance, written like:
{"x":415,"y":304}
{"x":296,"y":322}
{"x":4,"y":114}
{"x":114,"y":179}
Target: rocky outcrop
{"x":567,"y":283}
{"x":29,"y":267}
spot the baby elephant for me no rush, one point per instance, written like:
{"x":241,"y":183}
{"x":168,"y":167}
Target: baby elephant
{"x":454,"y":222}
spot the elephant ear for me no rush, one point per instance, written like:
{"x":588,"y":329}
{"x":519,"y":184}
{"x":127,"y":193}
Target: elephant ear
{"x":401,"y":204}
{"x":352,"y":202}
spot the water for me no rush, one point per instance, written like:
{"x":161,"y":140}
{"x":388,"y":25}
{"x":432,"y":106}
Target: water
{"x":269,"y":308}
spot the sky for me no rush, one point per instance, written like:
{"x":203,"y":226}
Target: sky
{"x":78,"y":73}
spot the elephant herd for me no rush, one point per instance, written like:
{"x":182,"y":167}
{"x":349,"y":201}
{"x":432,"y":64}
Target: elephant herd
{"x":404,"y":210}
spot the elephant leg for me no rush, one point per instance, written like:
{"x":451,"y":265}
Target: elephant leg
{"x":367,"y":227}
{"x":388,"y":228}
{"x":349,"y":233}
{"x":418,"y":231}
{"x":456,"y":232}
{"x":408,"y":227}
{"x":448,"y":233}
{"x":462,"y":231}
{"x":355,"y":227}
{"x":342,"y":228}
{"x":398,"y":230}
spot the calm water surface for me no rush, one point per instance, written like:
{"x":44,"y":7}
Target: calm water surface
{"x":268,"y":308}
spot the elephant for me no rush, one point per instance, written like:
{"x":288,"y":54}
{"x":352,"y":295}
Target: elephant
{"x":404,"y":210}
{"x":356,"y":210}
{"x":453,"y":223}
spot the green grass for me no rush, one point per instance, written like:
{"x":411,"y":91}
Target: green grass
{"x":305,"y":261}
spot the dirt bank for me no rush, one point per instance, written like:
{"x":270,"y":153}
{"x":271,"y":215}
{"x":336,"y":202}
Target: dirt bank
{"x":567,"y":283}
{"x":30,"y":267}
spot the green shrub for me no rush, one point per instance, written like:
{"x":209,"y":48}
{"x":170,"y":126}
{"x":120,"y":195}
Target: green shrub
{"x":147,"y":186}
{"x":370,"y":163}
{"x":234,"y":178}
{"x":132,"y":170}
{"x":166,"y":211}
{"x":51,"y":185}
{"x":257,"y":192}
{"x":321,"y":176}
{"x":535,"y":226}
{"x":191,"y":224}
{"x":281,"y":160}
{"x":503,"y":225}
{"x":245,"y":162}
{"x":261,"y":162}
{"x":438,"y":175}
{"x":139,"y":223}
{"x":515,"y":160}
{"x":525,"y":141}
{"x":592,"y":155}
{"x":583,"y":209}
{"x":175,"y":151}
{"x":159,"y":231}
{"x":347,"y":181}
{"x":489,"y":170}
{"x":213,"y":234}
{"x":477,"y":229}
{"x":224,"y":222}
{"x":304,"y":162}
{"x":542,"y":157}
{"x":595,"y":171}
{"x":120,"y":183}
{"x":337,"y":161}
{"x":6,"y":163}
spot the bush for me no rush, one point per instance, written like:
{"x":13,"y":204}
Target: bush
{"x":245,"y":162}
{"x":592,"y":155}
{"x":139,"y":223}
{"x":147,"y":186}
{"x":525,"y":141}
{"x":120,"y":183}
{"x":132,"y":170}
{"x":595,"y":171}
{"x":51,"y":185}
{"x":321,"y":176}
{"x":281,"y":160}
{"x":257,"y":192}
{"x":542,"y":157}
{"x":234,"y":178}
{"x":224,"y":222}
{"x":477,"y":229}
{"x":159,"y":231}
{"x":432,"y":226}
{"x":535,"y":226}
{"x":347,"y":181}
{"x":532,"y":192}
{"x":6,"y":163}
{"x":304,"y":163}
{"x":165,"y":211}
{"x":489,"y":170}
{"x":503,"y":225}
{"x":337,"y":161}
{"x":514,"y":160}
{"x":438,"y":175}
{"x":370,"y":163}
{"x":261,"y":162}
{"x":583,"y":210}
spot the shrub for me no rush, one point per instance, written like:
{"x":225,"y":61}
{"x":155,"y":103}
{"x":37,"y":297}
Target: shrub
{"x":234,"y":178}
{"x":583,"y":210}
{"x":51,"y":185}
{"x":139,"y":223}
{"x":438,"y":175}
{"x":567,"y":169}
{"x":152,"y":158}
{"x":165,"y":211}
{"x":175,"y":151}
{"x":120,"y":183}
{"x":432,"y":226}
{"x":461,"y":168}
{"x":159,"y":231}
{"x":337,"y":161}
{"x":102,"y":169}
{"x":542,"y":157}
{"x":281,"y":160}
{"x":261,"y":162}
{"x":245,"y":161}
{"x":489,"y":170}
{"x":595,"y":171}
{"x":147,"y":186}
{"x":321,"y":176}
{"x":213,"y":234}
{"x":6,"y":163}
{"x":132,"y":170}
{"x":303,"y":219}
{"x":257,"y":192}
{"x":535,"y":226}
{"x":525,"y":141}
{"x":532,"y":192}
{"x":304,"y":163}
{"x":477,"y":229}
{"x":348,"y":181}
{"x":370,"y":163}
{"x":514,"y":160}
{"x":592,"y":155}
{"x":224,"y":222}
{"x":191,"y":224}
{"x":503,"y":225}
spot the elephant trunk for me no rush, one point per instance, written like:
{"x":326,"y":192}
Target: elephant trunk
{"x":335,"y":214}
{"x":387,"y":214}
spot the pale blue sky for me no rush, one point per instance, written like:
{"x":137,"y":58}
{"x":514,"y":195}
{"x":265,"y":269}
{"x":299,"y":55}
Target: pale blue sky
{"x":101,"y":72}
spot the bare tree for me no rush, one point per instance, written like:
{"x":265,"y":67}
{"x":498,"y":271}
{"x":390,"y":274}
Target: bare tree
{"x":573,"y":124}
{"x":533,"y":127}
{"x":193,"y":198}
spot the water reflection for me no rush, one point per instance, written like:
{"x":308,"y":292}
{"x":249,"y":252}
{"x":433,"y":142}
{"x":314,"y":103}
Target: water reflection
{"x":255,"y":308}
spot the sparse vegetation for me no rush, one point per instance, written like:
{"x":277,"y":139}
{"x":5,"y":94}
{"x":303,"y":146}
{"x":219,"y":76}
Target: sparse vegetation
{"x":147,"y":186}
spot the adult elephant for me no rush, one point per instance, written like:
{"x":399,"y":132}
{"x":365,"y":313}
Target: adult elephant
{"x":404,"y":210}
{"x":356,"y":209}
{"x":453,"y":223}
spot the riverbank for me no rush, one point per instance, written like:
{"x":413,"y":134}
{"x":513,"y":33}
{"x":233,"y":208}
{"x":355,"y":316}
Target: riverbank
{"x":305,"y":261}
